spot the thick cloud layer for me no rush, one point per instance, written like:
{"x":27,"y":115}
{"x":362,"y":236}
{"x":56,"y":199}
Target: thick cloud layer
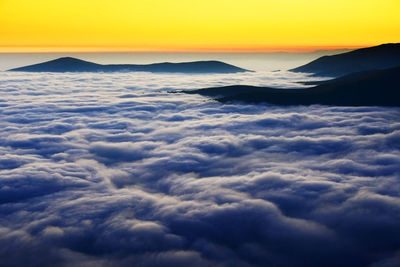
{"x":111,"y":170}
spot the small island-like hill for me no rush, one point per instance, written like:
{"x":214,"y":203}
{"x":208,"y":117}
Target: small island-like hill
{"x":69,"y":64}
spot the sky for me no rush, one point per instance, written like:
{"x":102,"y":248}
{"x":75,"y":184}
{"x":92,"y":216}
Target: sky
{"x":193,"y":25}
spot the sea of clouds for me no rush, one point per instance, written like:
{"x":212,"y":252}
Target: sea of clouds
{"x":112,"y":170}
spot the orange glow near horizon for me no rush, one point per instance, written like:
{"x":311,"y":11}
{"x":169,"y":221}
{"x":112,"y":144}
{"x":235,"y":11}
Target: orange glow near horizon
{"x":195,"y":26}
{"x":89,"y":49}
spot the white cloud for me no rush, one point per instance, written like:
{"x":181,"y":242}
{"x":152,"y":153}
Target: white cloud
{"x":110,"y":169}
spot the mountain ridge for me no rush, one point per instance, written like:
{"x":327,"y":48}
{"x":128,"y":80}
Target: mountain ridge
{"x":70,"y":64}
{"x":370,"y":58}
{"x":368,"y":88}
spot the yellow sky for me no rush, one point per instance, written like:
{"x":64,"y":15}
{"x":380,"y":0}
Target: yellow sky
{"x":187,"y":25}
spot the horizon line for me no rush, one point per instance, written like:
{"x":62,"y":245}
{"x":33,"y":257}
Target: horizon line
{"x":124,"y":49}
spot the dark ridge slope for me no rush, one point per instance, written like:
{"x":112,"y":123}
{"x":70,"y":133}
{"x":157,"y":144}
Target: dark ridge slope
{"x":371,"y":88}
{"x":371,"y":58}
{"x":68,"y":64}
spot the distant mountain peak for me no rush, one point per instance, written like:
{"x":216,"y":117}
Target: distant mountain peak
{"x":70,"y":64}
{"x":69,"y":59}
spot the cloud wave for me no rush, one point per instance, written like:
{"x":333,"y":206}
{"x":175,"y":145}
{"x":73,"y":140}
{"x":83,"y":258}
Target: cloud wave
{"x":111,"y":170}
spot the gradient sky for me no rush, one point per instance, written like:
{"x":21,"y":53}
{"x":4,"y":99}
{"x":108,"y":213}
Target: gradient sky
{"x":190,"y":25}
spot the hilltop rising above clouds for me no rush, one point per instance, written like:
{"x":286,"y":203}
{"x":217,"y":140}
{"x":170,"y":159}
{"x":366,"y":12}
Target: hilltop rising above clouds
{"x":69,"y":64}
{"x":369,"y":88}
{"x":371,"y":58}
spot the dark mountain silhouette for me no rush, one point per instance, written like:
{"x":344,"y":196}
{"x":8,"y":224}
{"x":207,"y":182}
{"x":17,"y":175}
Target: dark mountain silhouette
{"x":69,"y":64}
{"x":371,"y":58}
{"x":369,"y":88}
